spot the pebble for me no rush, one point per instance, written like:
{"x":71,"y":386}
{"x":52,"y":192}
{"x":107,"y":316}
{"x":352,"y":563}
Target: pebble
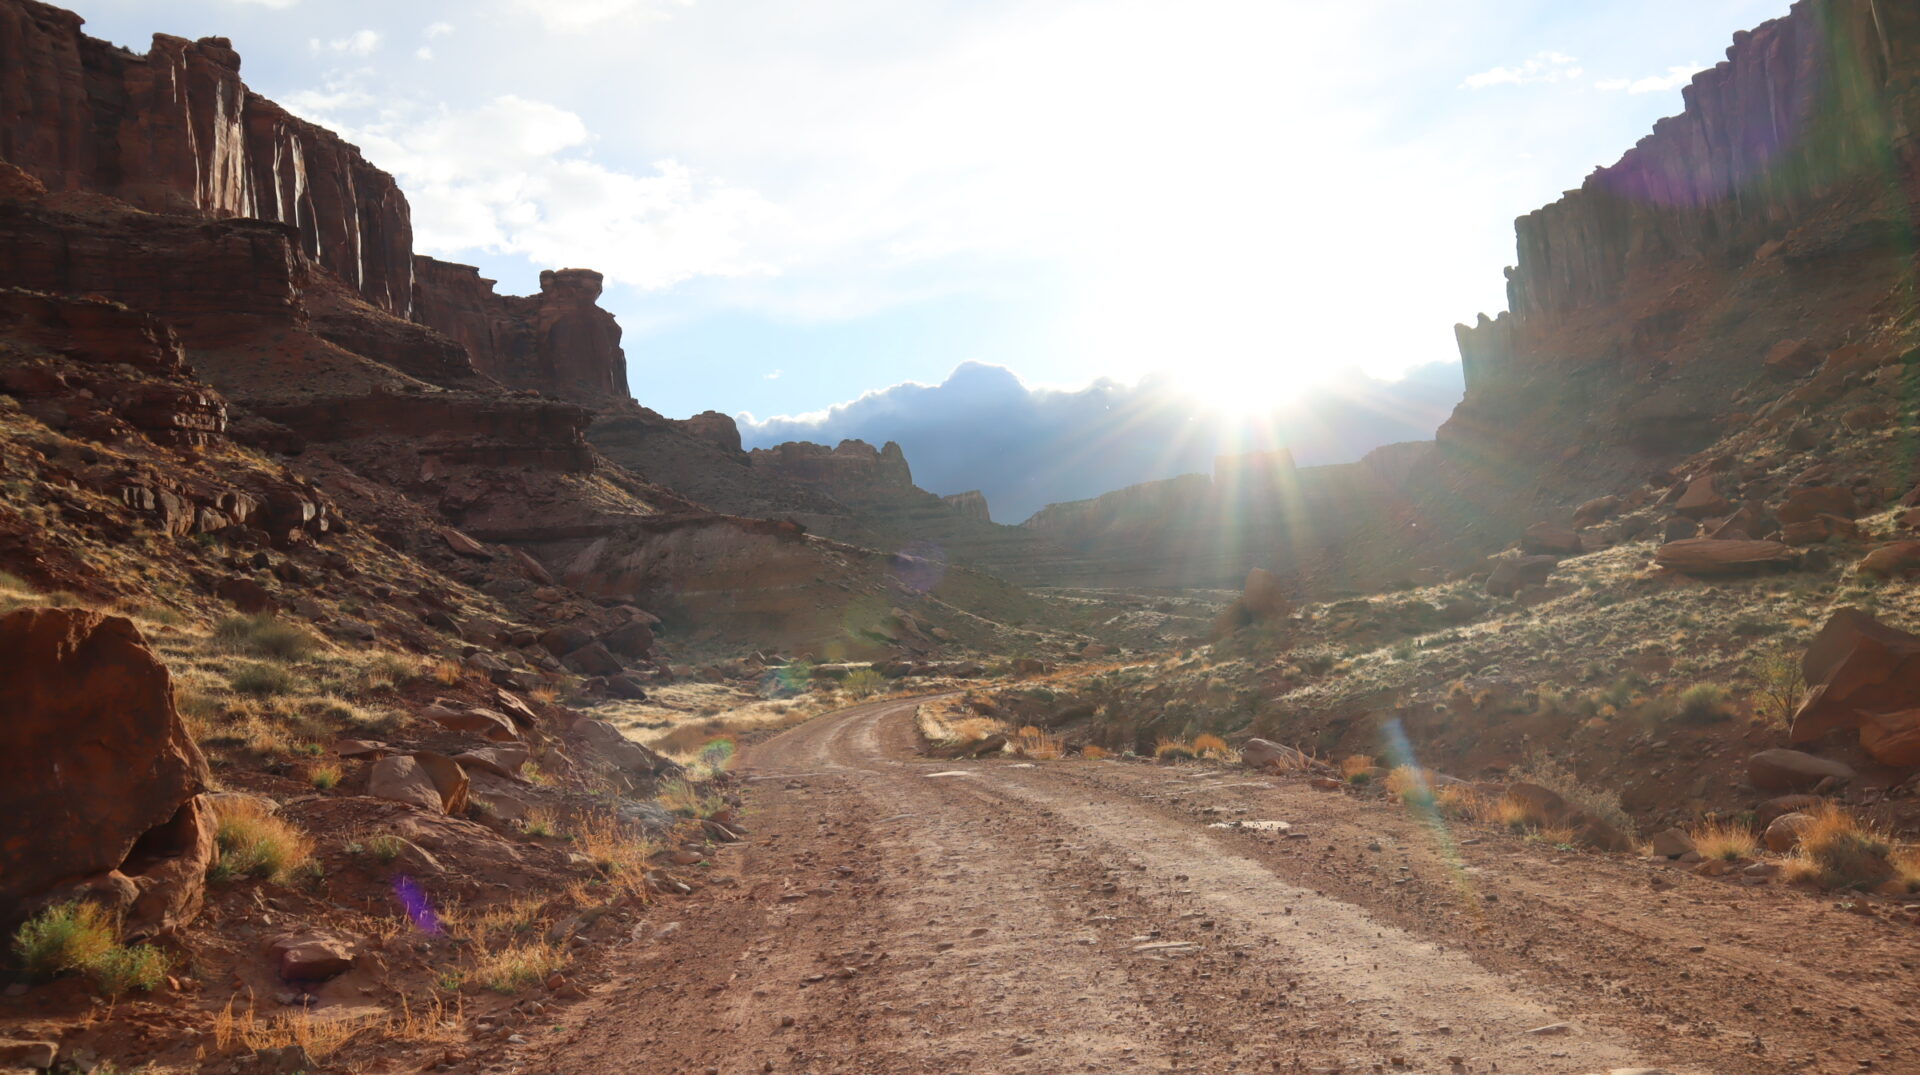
{"x":1552,"y":1028}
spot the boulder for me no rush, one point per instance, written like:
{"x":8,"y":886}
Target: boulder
{"x":1702,"y":499}
{"x":312,"y":956}
{"x":1801,"y":534}
{"x":1867,"y":418}
{"x":500,"y":761}
{"x":98,"y":776}
{"x":593,"y":659}
{"x":1792,"y":358}
{"x":1805,"y":504}
{"x":1781,"y":805}
{"x":1594,"y":510}
{"x":1893,"y":738}
{"x":1679,"y":528}
{"x":244,"y":594}
{"x":464,"y":545}
{"x":1672,"y":843}
{"x":428,"y":784}
{"x":561,"y":641}
{"x":1712,"y":557}
{"x":1546,"y":539}
{"x":481,"y":721}
{"x":1855,"y":665}
{"x":1783,"y":833}
{"x":616,"y":748}
{"x":630,"y":640}
{"x":1892,"y":560}
{"x":1781,"y":769}
{"x":1511,"y":575}
{"x":1265,"y":753}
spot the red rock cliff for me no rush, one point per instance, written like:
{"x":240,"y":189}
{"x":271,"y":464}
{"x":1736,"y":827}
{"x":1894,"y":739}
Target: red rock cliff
{"x":559,"y":341}
{"x":1779,"y":203}
{"x":176,"y":131}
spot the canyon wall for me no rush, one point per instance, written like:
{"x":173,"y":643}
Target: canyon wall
{"x":177,"y":131}
{"x":1784,"y":192}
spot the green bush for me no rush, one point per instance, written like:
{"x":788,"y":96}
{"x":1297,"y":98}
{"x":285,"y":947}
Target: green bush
{"x":264,"y":636}
{"x":263,"y":680}
{"x":120,"y":970}
{"x":62,"y":938}
{"x":863,"y":682}
{"x":1704,"y":703}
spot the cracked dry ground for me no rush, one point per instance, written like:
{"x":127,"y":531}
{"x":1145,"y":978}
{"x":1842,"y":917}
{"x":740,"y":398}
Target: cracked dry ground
{"x":897,"y":914}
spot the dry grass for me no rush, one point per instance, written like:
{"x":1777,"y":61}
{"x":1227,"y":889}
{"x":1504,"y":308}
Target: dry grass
{"x":1354,"y":764}
{"x":617,"y":851}
{"x":324,"y":775}
{"x":265,"y":637}
{"x":687,"y":800}
{"x":321,"y":1038}
{"x":1033,"y":743}
{"x":954,"y":726}
{"x":447,"y":673}
{"x":1092,"y":752}
{"x":1601,"y":803}
{"x":542,"y":822}
{"x":1512,"y":814}
{"x":1727,"y":840}
{"x":1214,"y":748}
{"x":1460,"y":802}
{"x":255,"y":843}
{"x":1838,"y":850}
{"x":1174,"y":750}
{"x":517,"y":966}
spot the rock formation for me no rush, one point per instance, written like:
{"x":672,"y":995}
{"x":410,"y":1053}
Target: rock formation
{"x":853,"y":469}
{"x":559,"y":341}
{"x":175,"y":130}
{"x":94,"y":753}
{"x":972,"y":504}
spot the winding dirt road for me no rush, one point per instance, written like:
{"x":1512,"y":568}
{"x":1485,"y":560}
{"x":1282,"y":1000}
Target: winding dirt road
{"x":896,"y":914}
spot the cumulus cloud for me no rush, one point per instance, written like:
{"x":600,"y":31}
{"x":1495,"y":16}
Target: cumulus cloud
{"x":1540,"y":67}
{"x":358,"y":43}
{"x":515,"y":175}
{"x":1676,"y":77}
{"x":1027,"y":447}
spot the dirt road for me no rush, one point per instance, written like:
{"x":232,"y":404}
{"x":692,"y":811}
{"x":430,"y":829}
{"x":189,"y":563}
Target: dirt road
{"x":895,"y":914}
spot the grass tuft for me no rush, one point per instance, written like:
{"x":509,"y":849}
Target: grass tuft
{"x":1838,"y":850}
{"x":255,"y":843}
{"x":1727,"y":840}
{"x":263,"y":635}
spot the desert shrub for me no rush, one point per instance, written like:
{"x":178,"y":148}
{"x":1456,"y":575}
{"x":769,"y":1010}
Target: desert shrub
{"x":686,"y":799}
{"x":618,"y":851}
{"x":1458,"y":802}
{"x":1539,"y":768}
{"x":446,"y":672}
{"x":541,"y":822}
{"x":1411,"y":785}
{"x":1037,"y":744}
{"x":1354,"y":767}
{"x":386,"y":848}
{"x":261,"y":680}
{"x":256,"y":843}
{"x":324,"y":776}
{"x":865,"y":682}
{"x":62,"y":938}
{"x":1704,"y":703}
{"x":264,"y":636}
{"x":1093,"y":752}
{"x":1174,"y":750}
{"x":1782,"y":685}
{"x":1728,"y":840}
{"x":123,"y":969}
{"x":717,"y":752}
{"x":1838,"y":850}
{"x":388,"y":670}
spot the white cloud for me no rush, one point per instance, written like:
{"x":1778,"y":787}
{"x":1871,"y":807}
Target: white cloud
{"x":268,"y":3}
{"x":358,"y":43}
{"x":1540,"y":67}
{"x":439,"y":29}
{"x":774,"y":376}
{"x":515,"y":175}
{"x":423,"y":52}
{"x":572,"y":16}
{"x":1676,"y":77}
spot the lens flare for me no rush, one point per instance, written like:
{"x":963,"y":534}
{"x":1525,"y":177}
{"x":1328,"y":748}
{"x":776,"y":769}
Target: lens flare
{"x":418,"y":906}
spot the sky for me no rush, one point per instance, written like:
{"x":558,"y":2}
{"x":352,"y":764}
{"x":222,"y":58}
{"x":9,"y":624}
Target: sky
{"x":796,"y":204}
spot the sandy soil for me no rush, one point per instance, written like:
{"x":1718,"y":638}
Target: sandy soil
{"x":895,"y":914}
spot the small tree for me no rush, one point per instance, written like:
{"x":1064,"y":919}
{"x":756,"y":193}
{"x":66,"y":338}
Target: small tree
{"x":1782,"y":685}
